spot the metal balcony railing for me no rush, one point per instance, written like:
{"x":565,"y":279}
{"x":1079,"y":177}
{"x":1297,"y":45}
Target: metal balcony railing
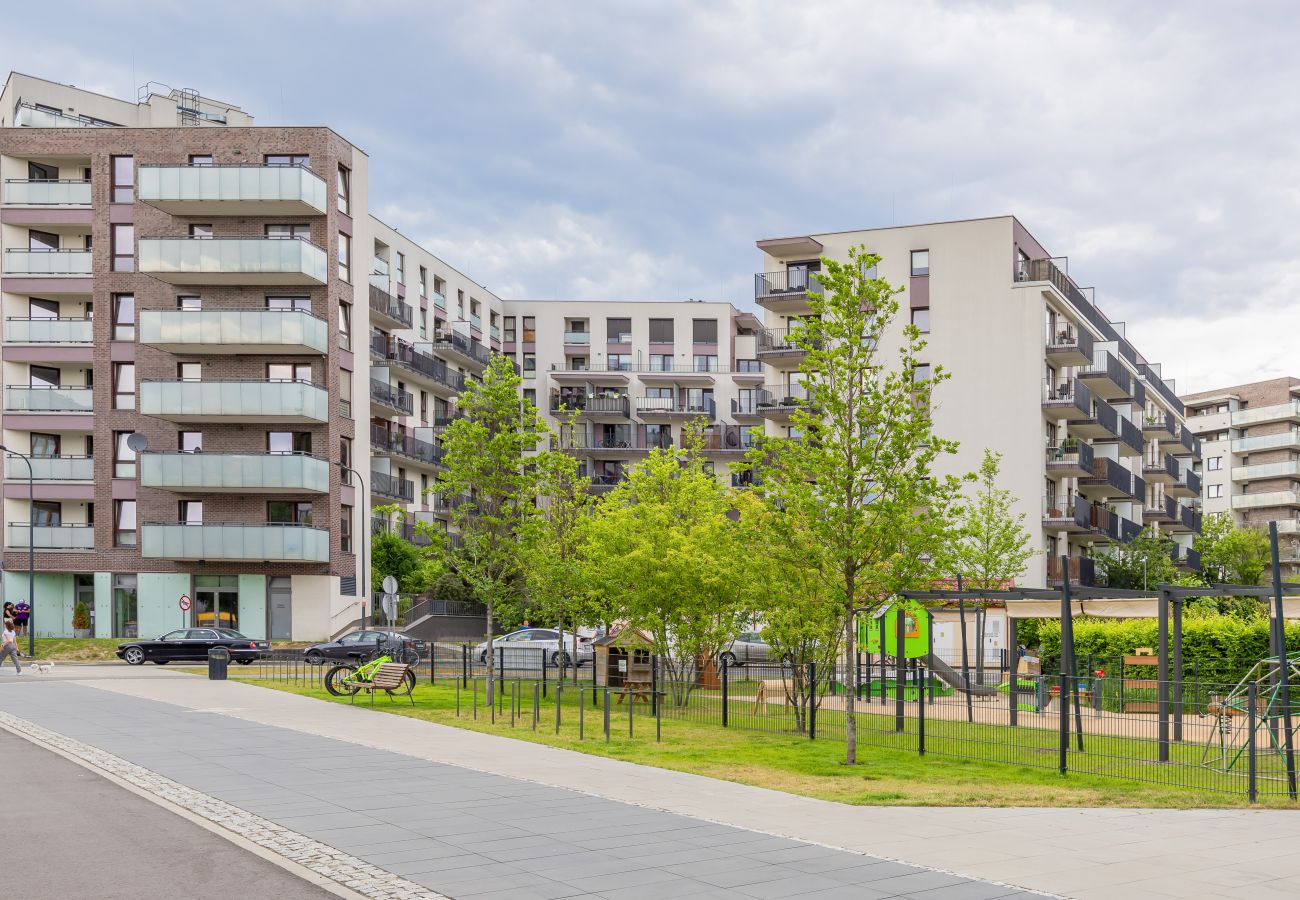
{"x":386,"y":304}
{"x":775,"y":285}
{"x":1066,"y":393}
{"x":1075,"y":455}
{"x":392,"y":487}
{"x":404,"y":445}
{"x":1109,"y":474}
{"x":391,"y":396}
{"x":451,"y":342}
{"x":1068,"y":337}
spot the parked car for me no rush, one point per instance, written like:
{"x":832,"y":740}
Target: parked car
{"x":748,"y":646}
{"x":193,"y":644}
{"x":360,"y":644}
{"x":528,"y":646}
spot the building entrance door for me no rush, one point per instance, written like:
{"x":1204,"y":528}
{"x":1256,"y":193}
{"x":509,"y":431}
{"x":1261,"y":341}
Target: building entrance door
{"x":216,"y":601}
{"x":281,"y":596}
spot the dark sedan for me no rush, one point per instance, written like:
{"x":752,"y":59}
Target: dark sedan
{"x":359,"y":645}
{"x":193,"y":644}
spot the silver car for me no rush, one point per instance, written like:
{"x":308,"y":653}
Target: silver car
{"x":527,"y":647}
{"x":748,"y":646}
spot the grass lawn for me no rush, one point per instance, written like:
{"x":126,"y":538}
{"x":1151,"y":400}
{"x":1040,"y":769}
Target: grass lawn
{"x":91,"y":649}
{"x":787,"y":762}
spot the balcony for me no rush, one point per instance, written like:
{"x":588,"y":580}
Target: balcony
{"x":1105,"y":522}
{"x":241,"y":401}
{"x":752,"y":406}
{"x":51,"y":468}
{"x":602,"y":407}
{"x":728,"y":439}
{"x":236,"y":542}
{"x":652,"y":407}
{"x":1102,"y":424}
{"x":1282,"y":412}
{"x":1286,"y":440}
{"x":392,"y":487}
{"x":41,"y":399}
{"x":48,"y":262}
{"x":231,"y":331}
{"x":1186,"y":484}
{"x":387,"y":399}
{"x":1108,"y":479}
{"x":405,"y":530}
{"x":1070,"y":460}
{"x":780,"y":344}
{"x":1067,"y":399}
{"x":49,"y":331}
{"x":52,"y":537}
{"x":386,"y":311}
{"x":577,"y":338}
{"x":779,"y":402}
{"x":1128,"y":530}
{"x":426,"y":368}
{"x":1068,"y":345}
{"x":1164,"y":511}
{"x":226,"y":190}
{"x":386,"y":443}
{"x":785,"y":291}
{"x":235,"y":473}
{"x":28,"y":115}
{"x":233,"y":261}
{"x":46,"y":192}
{"x":1081,"y":571}
{"x":607,"y":481}
{"x":1159,"y":468}
{"x":463,"y":348}
{"x":1288,"y":469}
{"x":1266,"y":499}
{"x":1130,"y":438}
{"x":1073,"y":514}
{"x":1158,"y":427}
{"x":1107,"y":377}
{"x":1186,"y":558}
{"x":1187,"y":444}
{"x":1188,"y":520}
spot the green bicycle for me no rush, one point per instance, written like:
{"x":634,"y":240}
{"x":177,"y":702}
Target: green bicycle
{"x":345,"y":680}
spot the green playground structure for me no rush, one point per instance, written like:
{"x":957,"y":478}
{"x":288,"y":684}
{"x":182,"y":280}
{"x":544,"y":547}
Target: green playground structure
{"x":1256,"y":698}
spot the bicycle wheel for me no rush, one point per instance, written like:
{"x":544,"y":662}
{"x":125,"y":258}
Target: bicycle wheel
{"x":338,"y":681}
{"x":411,"y":656}
{"x":407,"y":685}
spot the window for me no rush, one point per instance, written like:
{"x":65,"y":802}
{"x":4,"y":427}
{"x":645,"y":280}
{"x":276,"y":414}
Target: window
{"x":123,"y":385}
{"x":920,"y":262}
{"x":345,"y":326}
{"x":401,"y":268}
{"x":123,"y":170}
{"x":1214,"y":463}
{"x":508,"y":329}
{"x":345,"y":392}
{"x":191,"y":512}
{"x":38,"y":172}
{"x":123,"y":248}
{"x":460,"y":304}
{"x":424,"y":407}
{"x":45,"y":446}
{"x":345,"y":459}
{"x":345,"y":528}
{"x":124,"y":317}
{"x":345,"y":191}
{"x":617,"y":331}
{"x":47,"y":512}
{"x":189,"y":441}
{"x":1214,"y":490}
{"x":619,"y":362}
{"x":288,"y":159}
{"x":42,"y":309}
{"x":42,"y":240}
{"x":530,"y":329}
{"x":703,"y":363}
{"x":661,"y":362}
{"x":289,"y":372}
{"x":44,"y":376}
{"x":200,"y":159}
{"x":530,"y":365}
{"x":288,"y":512}
{"x":704,"y":331}
{"x":189,"y":371}
{"x":424,"y":324}
{"x":124,"y":523}
{"x":424,"y":282}
{"x":202,"y":232}
{"x":288,"y":442}
{"x":189,"y":303}
{"x":921,"y":373}
{"x":123,"y":455}
{"x":345,"y":257}
{"x":530,"y":396}
{"x":921,"y":319}
{"x":661,"y":331}
{"x":288,"y":232}
{"x":300,"y":304}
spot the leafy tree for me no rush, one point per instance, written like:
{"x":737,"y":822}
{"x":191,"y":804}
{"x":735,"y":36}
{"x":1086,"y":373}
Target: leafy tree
{"x":1141,"y":564}
{"x":665,"y":555}
{"x":390,"y":554}
{"x":448,"y":587}
{"x":495,"y":487}
{"x":1231,"y":554}
{"x":862,"y":473}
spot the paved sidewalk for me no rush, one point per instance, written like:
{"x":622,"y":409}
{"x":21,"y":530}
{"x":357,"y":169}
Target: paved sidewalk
{"x":460,"y":832}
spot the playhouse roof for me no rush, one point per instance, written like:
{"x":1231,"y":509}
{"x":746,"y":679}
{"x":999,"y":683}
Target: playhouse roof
{"x":617,"y":638}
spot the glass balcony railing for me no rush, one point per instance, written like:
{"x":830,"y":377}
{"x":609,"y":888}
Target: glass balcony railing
{"x":233,"y":190}
{"x":183,"y":260}
{"x":1289,"y":469}
{"x":249,"y":400}
{"x":47,"y":262}
{"x":51,"y":468}
{"x":1282,"y":412}
{"x":231,"y":541}
{"x":579,"y":338}
{"x":51,"y":537}
{"x":1286,"y":440}
{"x":440,"y":301}
{"x":476,"y":321}
{"x":21,"y":398}
{"x":30,"y":116}
{"x":1266,"y":499}
{"x":277,"y":473}
{"x":46,"y":192}
{"x":234,"y":330}
{"x":49,"y":331}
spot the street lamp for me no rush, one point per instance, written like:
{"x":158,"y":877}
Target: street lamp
{"x":362,"y":536}
{"x":31,"y":551}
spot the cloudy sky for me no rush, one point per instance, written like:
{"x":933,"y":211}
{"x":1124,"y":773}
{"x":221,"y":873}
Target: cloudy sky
{"x":636,"y":150}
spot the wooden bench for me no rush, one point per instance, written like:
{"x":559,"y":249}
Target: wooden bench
{"x":390,"y":677}
{"x":639,"y":691}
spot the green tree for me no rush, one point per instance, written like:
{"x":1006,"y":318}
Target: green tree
{"x":1231,"y":554}
{"x":862,"y":474}
{"x":495,"y":488}
{"x":390,"y":554}
{"x":663,"y":553}
{"x":1140,"y":564}
{"x":992,"y":545}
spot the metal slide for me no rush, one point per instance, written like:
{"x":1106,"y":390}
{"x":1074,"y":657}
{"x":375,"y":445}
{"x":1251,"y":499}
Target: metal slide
{"x":953,"y":679}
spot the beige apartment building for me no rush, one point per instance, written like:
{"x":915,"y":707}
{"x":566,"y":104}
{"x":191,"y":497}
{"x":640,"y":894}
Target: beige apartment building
{"x":1250,"y":436}
{"x":1093,"y":437}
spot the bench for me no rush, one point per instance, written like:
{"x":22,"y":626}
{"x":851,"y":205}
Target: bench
{"x":773,"y":686}
{"x":389,"y":678}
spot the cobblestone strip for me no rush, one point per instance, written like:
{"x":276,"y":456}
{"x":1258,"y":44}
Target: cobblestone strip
{"x":348,"y":871}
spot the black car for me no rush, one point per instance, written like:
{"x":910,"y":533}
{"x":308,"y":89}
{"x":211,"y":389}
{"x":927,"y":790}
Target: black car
{"x":193,"y":644}
{"x":359,"y":645}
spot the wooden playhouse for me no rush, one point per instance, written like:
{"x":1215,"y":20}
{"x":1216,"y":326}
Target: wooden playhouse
{"x":623,"y":660}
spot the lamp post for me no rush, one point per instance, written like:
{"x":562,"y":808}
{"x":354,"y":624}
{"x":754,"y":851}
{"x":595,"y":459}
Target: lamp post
{"x":363,"y":536}
{"x":31,"y":551}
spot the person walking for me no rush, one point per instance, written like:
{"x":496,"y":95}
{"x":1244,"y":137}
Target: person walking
{"x":9,"y":645}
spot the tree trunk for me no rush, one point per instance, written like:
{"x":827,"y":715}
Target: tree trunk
{"x":490,"y":659}
{"x":850,"y":713}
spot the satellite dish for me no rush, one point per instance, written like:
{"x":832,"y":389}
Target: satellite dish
{"x":390,"y":584}
{"x":137,"y":442}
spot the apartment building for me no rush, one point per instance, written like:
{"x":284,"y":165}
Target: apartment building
{"x":616,"y":379}
{"x":1250,"y":436}
{"x":1093,"y":437}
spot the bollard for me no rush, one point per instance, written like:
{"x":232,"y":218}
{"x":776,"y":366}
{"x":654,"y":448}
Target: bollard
{"x":536,"y":700}
{"x":659,"y":712}
{"x":631,"y":705}
{"x":476,"y":698}
{"x":582,"y":711}
{"x":458,"y":699}
{"x":607,"y":715}
{"x":559,"y":696}
{"x":724,"y":692}
{"x":514,"y":693}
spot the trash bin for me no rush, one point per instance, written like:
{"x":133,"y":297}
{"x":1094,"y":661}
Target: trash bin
{"x":218,"y":663}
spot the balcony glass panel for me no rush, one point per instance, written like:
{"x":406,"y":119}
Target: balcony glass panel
{"x":1256,"y":415}
{"x":275,"y":472}
{"x":1285,"y":440}
{"x":251,"y":327}
{"x":266,"y":400}
{"x":28,"y":192}
{"x":47,"y":262}
{"x":232,"y":184}
{"x":1265,"y":499}
{"x":231,"y":256}
{"x":275,"y":543}
{"x":51,"y":468}
{"x":20,"y":398}
{"x":49,"y":331}
{"x":52,"y":537}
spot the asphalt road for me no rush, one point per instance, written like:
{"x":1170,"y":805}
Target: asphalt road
{"x":68,"y":833}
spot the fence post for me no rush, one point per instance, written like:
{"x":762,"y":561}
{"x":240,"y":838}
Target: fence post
{"x":582,"y":711}
{"x":659,"y":711}
{"x":536,"y":702}
{"x":1250,"y":739}
{"x":654,"y":683}
{"x":900,"y":666}
{"x":464,"y":664}
{"x":1063,"y":749}
{"x":476,"y":698}
{"x":723,"y":660}
{"x":457,"y":699}
{"x":812,"y":701}
{"x":543,"y":652}
{"x":607,"y":715}
{"x":501,"y":669}
{"x":559,"y":696}
{"x":514,"y":699}
{"x":631,"y":707}
{"x":1162,"y":674}
{"x":920,"y":722}
{"x":593,"y":681}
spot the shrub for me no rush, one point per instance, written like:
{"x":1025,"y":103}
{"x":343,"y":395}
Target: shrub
{"x":80,"y":617}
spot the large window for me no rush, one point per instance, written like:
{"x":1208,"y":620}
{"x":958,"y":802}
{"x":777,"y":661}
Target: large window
{"x":123,"y":455}
{"x":189,"y":303}
{"x":345,"y":191}
{"x":123,"y":385}
{"x":42,"y":309}
{"x":189,"y":371}
{"x":191,"y":512}
{"x":123,"y":248}
{"x":288,"y":442}
{"x":508,"y":329}
{"x":530,"y":329}
{"x":345,"y":459}
{"x":921,"y":319}
{"x":45,"y":446}
{"x":123,"y":170}
{"x":345,"y":257}
{"x":124,"y":606}
{"x":289,"y":372}
{"x":48,"y":513}
{"x":300,"y":304}
{"x":618,"y":331}
{"x":1214,"y":491}
{"x":124,"y":317}
{"x":289,"y":232}
{"x":920,"y":262}
{"x":401,"y":268}
{"x":201,"y":232}
{"x":288,"y":159}
{"x":1214,"y":463}
{"x":42,"y":240}
{"x":345,"y":326}
{"x":189,"y":441}
{"x":661,"y":331}
{"x":345,"y":528}
{"x":124,"y":523}
{"x":704,"y":331}
{"x":288,"y":512}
